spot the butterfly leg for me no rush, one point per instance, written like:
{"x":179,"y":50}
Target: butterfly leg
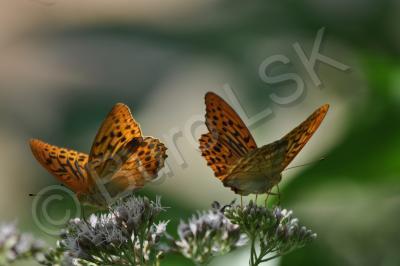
{"x":266,"y":199}
{"x":269,"y":193}
{"x":279,"y":195}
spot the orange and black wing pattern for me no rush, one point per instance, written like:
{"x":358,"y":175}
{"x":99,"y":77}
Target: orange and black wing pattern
{"x":217,"y":155}
{"x":113,"y":142}
{"x":232,"y":153}
{"x":68,"y":166}
{"x":141,"y":167}
{"x":120,"y":159}
{"x":299,"y":136}
{"x":228,"y":139}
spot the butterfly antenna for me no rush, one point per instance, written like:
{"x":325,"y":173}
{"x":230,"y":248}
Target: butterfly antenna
{"x":302,"y":165}
{"x":35,"y":195}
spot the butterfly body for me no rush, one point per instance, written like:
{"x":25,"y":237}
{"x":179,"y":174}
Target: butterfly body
{"x":93,"y":198}
{"x":232,"y":153}
{"x":101,"y":198}
{"x":258,"y":171}
{"x":121,"y":160}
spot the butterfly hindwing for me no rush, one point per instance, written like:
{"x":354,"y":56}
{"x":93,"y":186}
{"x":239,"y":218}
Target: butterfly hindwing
{"x":141,"y":167}
{"x":68,"y":166}
{"x":258,"y":171}
{"x":118,"y":129}
{"x":217,"y":155}
{"x":227,"y":127}
{"x":108,"y":167}
{"x":299,"y":136}
{"x":267,"y":159}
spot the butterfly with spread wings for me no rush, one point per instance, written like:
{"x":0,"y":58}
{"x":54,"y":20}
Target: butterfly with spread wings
{"x":233,"y":155}
{"x":121,"y":160}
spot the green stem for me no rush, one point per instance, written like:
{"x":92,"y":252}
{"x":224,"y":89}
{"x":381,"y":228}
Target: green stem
{"x":141,"y":248}
{"x":258,"y":259}
{"x":131,"y":250}
{"x":271,"y":258}
{"x":261,"y":259}
{"x":129,"y":258}
{"x":253,"y":253}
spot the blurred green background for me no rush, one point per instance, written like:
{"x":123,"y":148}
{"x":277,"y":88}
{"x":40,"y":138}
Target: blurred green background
{"x":65,"y":63}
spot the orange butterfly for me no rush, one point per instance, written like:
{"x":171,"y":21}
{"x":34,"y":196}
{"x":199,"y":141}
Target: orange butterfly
{"x":232,"y":153}
{"x":121,"y":160}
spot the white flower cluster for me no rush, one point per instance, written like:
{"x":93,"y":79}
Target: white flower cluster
{"x":291,"y":234}
{"x":129,"y":235}
{"x":16,"y":246}
{"x":207,"y":235}
{"x":126,"y":235}
{"x":275,"y":231}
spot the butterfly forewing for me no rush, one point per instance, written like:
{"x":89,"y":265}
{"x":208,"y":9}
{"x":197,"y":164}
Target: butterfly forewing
{"x":226,"y":126}
{"x":118,"y":129}
{"x":68,"y":166}
{"x":228,"y":139}
{"x":299,"y":136}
